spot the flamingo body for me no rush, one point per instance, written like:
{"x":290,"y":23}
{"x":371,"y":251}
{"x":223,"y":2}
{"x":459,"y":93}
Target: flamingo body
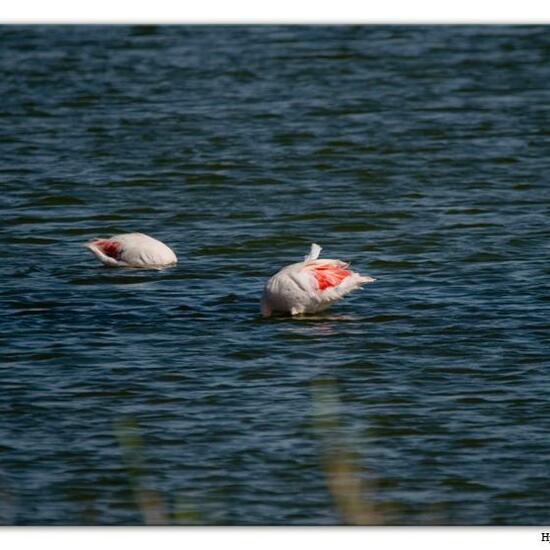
{"x":132,"y":250}
{"x":309,"y":286}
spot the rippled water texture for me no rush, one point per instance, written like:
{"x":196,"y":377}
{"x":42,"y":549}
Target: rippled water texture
{"x":420,"y":154}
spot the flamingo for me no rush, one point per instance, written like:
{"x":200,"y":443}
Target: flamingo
{"x":309,"y":286}
{"x":132,"y":250}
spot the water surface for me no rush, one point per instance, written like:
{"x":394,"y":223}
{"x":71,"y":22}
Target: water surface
{"x":420,"y":154}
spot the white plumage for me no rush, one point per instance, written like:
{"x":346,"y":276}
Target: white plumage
{"x":309,"y":286}
{"x":132,"y":250}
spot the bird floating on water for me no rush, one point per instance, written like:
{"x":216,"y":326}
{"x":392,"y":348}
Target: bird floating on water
{"x":309,"y":286}
{"x":132,"y":250}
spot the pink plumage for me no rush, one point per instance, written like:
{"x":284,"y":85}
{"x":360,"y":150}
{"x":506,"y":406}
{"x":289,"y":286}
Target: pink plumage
{"x":309,"y":286}
{"x":132,"y":250}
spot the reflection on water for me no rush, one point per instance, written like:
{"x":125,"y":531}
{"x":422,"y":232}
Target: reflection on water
{"x":344,"y":477}
{"x":149,"y":501}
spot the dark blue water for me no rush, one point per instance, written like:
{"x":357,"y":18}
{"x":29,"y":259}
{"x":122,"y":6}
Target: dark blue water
{"x":421,"y":154}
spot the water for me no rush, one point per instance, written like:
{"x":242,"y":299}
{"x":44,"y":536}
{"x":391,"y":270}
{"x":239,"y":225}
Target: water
{"x":421,"y":154}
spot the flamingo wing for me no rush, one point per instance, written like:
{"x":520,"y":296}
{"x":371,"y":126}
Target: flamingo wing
{"x":329,"y":275}
{"x":110,"y":248}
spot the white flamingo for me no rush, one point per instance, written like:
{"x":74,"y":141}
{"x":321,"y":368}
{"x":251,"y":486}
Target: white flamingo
{"x":309,"y":286}
{"x":132,"y":250}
